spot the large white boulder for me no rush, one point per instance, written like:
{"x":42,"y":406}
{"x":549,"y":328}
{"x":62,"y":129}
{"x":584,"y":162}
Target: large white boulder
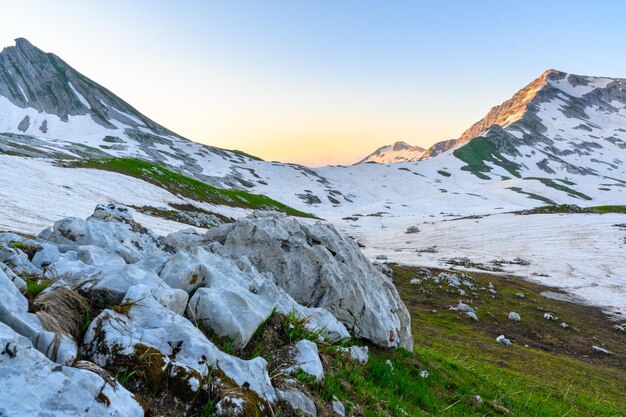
{"x":229,"y":312}
{"x":106,"y":278}
{"x":243,"y":282}
{"x":32,"y":385}
{"x":319,"y":268}
{"x":112,"y":228}
{"x":185,"y":271}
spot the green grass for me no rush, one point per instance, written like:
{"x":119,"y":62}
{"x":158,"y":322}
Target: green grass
{"x":572,"y":209}
{"x":548,"y":378}
{"x":531,"y":195}
{"x":188,"y":187}
{"x":35,"y":286}
{"x":610,"y":209}
{"x":479,"y":150}
{"x":552,"y":184}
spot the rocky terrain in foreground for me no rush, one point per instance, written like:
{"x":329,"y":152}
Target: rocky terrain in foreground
{"x":102,"y":317}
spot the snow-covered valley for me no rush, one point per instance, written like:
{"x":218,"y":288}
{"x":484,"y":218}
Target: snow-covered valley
{"x":242,"y":280}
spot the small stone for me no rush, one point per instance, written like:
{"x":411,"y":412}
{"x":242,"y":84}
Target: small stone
{"x":601,"y":350}
{"x":472,"y":315}
{"x":306,"y":357}
{"x":514,"y":316}
{"x":338,"y":407}
{"x":503,"y":340}
{"x":549,"y":316}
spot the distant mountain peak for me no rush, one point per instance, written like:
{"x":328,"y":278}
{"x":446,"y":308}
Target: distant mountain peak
{"x":398,"y":151}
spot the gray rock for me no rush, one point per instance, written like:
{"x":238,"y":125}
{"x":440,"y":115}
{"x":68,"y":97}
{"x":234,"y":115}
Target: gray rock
{"x":319,"y":268}
{"x":503,"y":340}
{"x":359,"y":354}
{"x":298,"y":401}
{"x":514,"y":316}
{"x":463,"y":308}
{"x":183,"y":349}
{"x":338,"y":407}
{"x":17,"y":281}
{"x":305,"y":356}
{"x":601,"y":350}
{"x":111,"y":228}
{"x":108,"y":285}
{"x":184,"y":271}
{"x":233,"y":313}
{"x":472,"y":315}
{"x":14,"y":313}
{"x":550,"y":316}
{"x":32,"y":385}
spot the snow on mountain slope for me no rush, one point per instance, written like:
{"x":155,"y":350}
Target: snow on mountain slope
{"x":398,"y":152}
{"x":560,"y":140}
{"x":543,"y":140}
{"x":36,"y":193}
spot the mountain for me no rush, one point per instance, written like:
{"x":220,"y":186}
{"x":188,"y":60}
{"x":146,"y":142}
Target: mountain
{"x":560,"y":124}
{"x":30,"y":78}
{"x":582,"y":113}
{"x":558,"y":140}
{"x":437,"y":148}
{"x":48,"y":109}
{"x":397,"y":152}
{"x":192,"y":224}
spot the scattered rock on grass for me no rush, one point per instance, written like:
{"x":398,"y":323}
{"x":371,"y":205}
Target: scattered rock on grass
{"x":601,"y":350}
{"x":514,"y":316}
{"x":503,"y":340}
{"x":305,"y":357}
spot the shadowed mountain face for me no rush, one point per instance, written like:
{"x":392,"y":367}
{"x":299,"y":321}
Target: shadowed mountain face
{"x":32,"y":78}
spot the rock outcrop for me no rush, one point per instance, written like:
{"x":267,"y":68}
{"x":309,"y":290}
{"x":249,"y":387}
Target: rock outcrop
{"x":33,"y":385}
{"x":158,"y":311}
{"x":318,"y":267}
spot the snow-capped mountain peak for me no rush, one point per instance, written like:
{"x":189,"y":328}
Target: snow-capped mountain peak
{"x":397,"y":152}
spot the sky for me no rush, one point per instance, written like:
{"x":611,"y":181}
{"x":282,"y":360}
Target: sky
{"x":326,"y":81}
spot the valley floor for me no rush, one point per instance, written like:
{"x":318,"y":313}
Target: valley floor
{"x":459,"y":369}
{"x":582,"y":254}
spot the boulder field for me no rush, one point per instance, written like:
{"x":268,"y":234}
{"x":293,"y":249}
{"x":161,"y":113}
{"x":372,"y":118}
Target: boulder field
{"x":91,"y":304}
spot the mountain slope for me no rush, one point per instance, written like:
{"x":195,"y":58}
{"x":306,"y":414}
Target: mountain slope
{"x":31,"y":78}
{"x":558,"y":141}
{"x":560,"y":125}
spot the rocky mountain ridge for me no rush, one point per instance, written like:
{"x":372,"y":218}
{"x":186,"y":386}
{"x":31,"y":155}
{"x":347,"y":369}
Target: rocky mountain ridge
{"x":577,"y":94}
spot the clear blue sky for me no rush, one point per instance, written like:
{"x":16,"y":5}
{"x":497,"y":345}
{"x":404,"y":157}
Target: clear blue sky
{"x":321,"y":81}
